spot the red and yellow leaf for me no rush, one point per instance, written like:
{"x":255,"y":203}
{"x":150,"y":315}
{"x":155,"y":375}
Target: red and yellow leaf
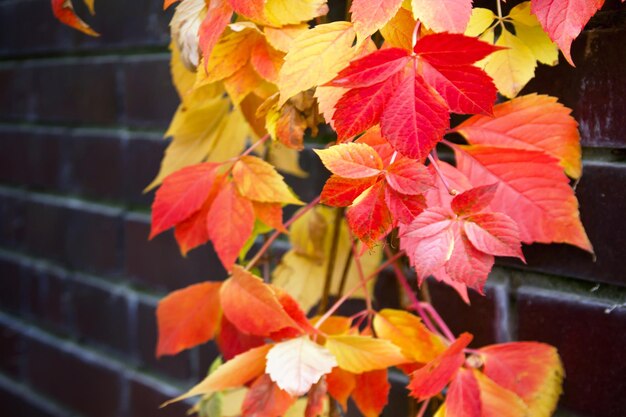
{"x":260,"y":313}
{"x":429,"y":380}
{"x":409,"y":177}
{"x":474,"y":200}
{"x":443,"y":16}
{"x":463,"y":399}
{"x":533,"y":122}
{"x":498,"y":401}
{"x":64,"y":11}
{"x":341,"y":383}
{"x":188,"y":317}
{"x":368,"y":16}
{"x":341,"y":192}
{"x":217,"y":18}
{"x":351,"y":160}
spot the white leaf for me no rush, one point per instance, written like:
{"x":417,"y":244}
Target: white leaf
{"x":297,"y":364}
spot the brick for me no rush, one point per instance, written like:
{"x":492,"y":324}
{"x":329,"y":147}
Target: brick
{"x":75,"y":379}
{"x":16,"y":99}
{"x":10,"y":285}
{"x":28,"y":27}
{"x":100,"y":314}
{"x":30,"y":158}
{"x":46,"y":296}
{"x":95,"y":165}
{"x":75,"y":92}
{"x":594,"y":89}
{"x":486,"y":318}
{"x":602,"y":206}
{"x":176,"y":367}
{"x":146,"y":396}
{"x":150,"y":99}
{"x":143,"y":155}
{"x":18,"y":402}
{"x":158,"y":263}
{"x":11,"y":351}
{"x":12,"y":221}
{"x":590,"y":340}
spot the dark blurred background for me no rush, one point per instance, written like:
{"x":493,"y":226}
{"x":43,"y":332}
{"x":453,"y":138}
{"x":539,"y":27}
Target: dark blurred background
{"x":81,"y":124}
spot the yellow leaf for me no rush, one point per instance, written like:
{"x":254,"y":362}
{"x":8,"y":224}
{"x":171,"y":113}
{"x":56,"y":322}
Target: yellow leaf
{"x":407,"y":331}
{"x":194,"y":134}
{"x":510,"y":68}
{"x":258,"y":180}
{"x":230,"y":138}
{"x":183,"y":78}
{"x":232,"y":401}
{"x":479,"y":21}
{"x":302,"y":270}
{"x":398,"y":32}
{"x":358,"y":354}
{"x":290,"y":12}
{"x":529,"y":30}
{"x":90,"y":4}
{"x":234,"y":373}
{"x":244,"y":81}
{"x":316,"y":56}
{"x":282,"y":38}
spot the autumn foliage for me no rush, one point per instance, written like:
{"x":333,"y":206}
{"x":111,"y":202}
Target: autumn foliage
{"x":257,"y":77}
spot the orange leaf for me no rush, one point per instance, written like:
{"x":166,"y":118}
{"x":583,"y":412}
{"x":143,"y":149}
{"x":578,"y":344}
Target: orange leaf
{"x":340,"y":385}
{"x":64,"y":11}
{"x":188,"y":317}
{"x":257,"y":180}
{"x":234,"y":373}
{"x":265,"y":399}
{"x":168,"y":3}
{"x":315,"y":400}
{"x":533,"y":122}
{"x":429,"y":380}
{"x":271,"y":214}
{"x":371,"y":392}
{"x":407,"y":331}
{"x":231,"y":221}
{"x":498,"y":401}
{"x":218,"y":16}
{"x":181,"y":194}
{"x":531,"y":370}
{"x":232,"y":342}
{"x":351,"y":160}
{"x":251,"y":305}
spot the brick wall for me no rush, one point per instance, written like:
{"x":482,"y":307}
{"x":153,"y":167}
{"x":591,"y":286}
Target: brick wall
{"x":81,"y":121}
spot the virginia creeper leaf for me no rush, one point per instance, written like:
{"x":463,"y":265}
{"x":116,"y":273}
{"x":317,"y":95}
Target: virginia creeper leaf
{"x":498,"y":401}
{"x":351,"y":160}
{"x":443,"y":16}
{"x":188,"y":317}
{"x":258,"y":180}
{"x":368,"y":16}
{"x":371,"y":392}
{"x":232,"y":342}
{"x":266,"y":399}
{"x":429,"y":380}
{"x":358,"y":354}
{"x":64,"y":11}
{"x":217,"y":17}
{"x":262,"y":313}
{"x":369,"y":217}
{"x":341,"y":383}
{"x":297,"y":364}
{"x":463,"y":399}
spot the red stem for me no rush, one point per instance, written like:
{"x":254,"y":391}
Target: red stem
{"x":423,"y":408}
{"x":438,"y":320}
{"x":444,"y":180}
{"x":277,"y":233}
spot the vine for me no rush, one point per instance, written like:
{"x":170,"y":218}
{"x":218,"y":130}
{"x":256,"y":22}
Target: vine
{"x":255,"y":79}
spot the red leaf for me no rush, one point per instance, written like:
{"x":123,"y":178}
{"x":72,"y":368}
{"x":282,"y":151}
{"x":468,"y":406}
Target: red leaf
{"x":251,"y":9}
{"x":341,"y":192}
{"x":372,"y":69}
{"x":493,"y":233}
{"x":340,"y":385}
{"x":361,"y":108}
{"x":474,"y":200}
{"x":429,"y":380}
{"x":265,"y":399}
{"x":181,"y":194}
{"x":404,"y":208}
{"x":231,"y":224}
{"x":467,"y":264}
{"x":466,"y":89}
{"x":408,"y":176}
{"x":463,"y":399}
{"x":371,"y":392}
{"x":252,"y":306}
{"x":232,"y":342}
{"x":316,"y":399}
{"x":414,"y":120}
{"x":381,"y":145}
{"x":532,"y":190}
{"x":443,"y":16}
{"x":447,"y":49}
{"x":368,"y":217}
{"x":64,"y":11}
{"x":217,"y":18}
{"x":439,"y":196}
{"x":188,"y":317}
{"x":563,"y":20}
{"x":351,"y":160}
{"x":293,"y":310}
{"x":271,"y":214}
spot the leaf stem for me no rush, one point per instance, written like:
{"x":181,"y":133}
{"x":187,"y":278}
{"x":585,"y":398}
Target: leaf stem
{"x":330,"y":268}
{"x":437,"y":318}
{"x":277,"y":233}
{"x":416,"y":31}
{"x":423,"y":408}
{"x":255,"y":145}
{"x":359,"y":267}
{"x":444,"y":180}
